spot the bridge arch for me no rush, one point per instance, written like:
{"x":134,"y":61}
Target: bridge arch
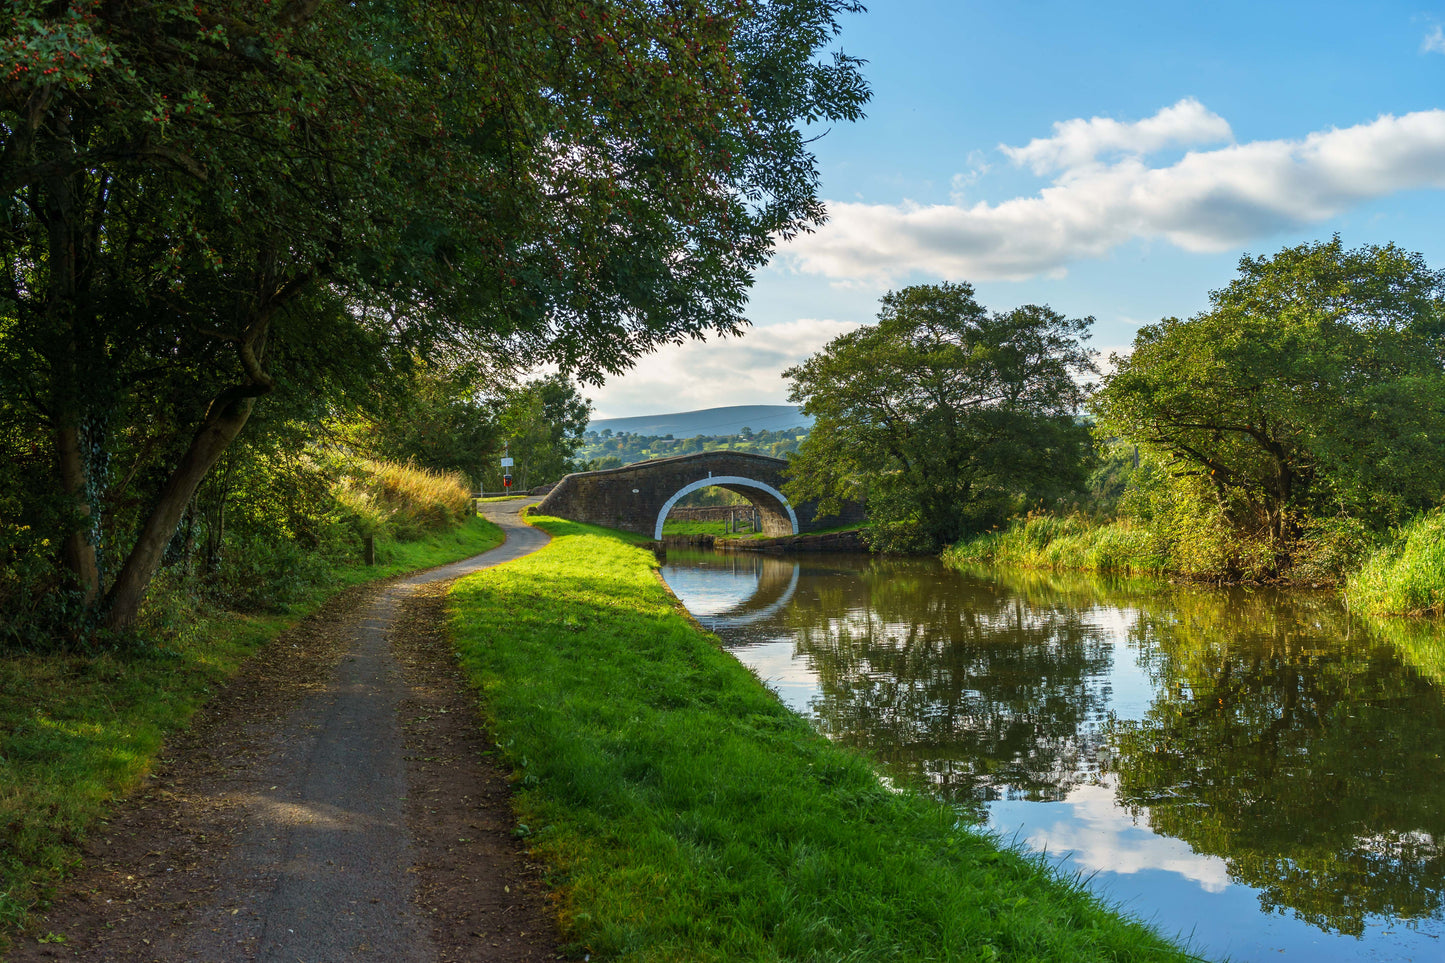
{"x":724,"y":481}
{"x":636,"y":497}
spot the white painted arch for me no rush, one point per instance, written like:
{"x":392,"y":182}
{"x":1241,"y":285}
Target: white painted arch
{"x":711,"y":480}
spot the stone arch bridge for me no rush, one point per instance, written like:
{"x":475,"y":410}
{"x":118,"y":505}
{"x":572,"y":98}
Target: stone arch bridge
{"x":638,"y":497}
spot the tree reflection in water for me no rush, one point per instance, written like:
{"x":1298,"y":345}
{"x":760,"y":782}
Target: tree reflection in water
{"x":1283,"y":737}
{"x":978,"y":694}
{"x":1297,"y":747}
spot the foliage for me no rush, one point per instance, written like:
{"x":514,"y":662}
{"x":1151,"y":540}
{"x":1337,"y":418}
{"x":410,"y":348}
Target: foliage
{"x":943,"y":415}
{"x":1407,"y":575}
{"x":542,"y":422}
{"x":270,"y":524}
{"x":645,"y":753}
{"x":712,"y":496}
{"x":1166,"y":525}
{"x":201,"y":209}
{"x":1313,"y":388}
{"x":79,"y":731}
{"x":436,"y":416}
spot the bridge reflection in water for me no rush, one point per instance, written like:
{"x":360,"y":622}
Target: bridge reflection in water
{"x":1256,"y":770}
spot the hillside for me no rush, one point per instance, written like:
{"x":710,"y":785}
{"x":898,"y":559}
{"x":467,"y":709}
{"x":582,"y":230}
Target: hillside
{"x":709,"y":421}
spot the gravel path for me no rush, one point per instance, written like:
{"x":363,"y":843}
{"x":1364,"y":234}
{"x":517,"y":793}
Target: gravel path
{"x":282,"y":829}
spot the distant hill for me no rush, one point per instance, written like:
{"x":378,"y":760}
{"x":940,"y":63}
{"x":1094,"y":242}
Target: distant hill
{"x":709,"y":421}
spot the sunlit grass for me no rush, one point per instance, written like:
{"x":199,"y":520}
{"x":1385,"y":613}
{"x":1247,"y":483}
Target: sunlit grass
{"x":403,"y":500}
{"x":685,"y":814}
{"x":1407,"y":576}
{"x":673,"y":526}
{"x":1065,"y":542}
{"x":76,"y":732}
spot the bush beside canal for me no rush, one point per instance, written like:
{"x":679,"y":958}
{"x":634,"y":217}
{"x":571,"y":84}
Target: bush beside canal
{"x":686,"y":814}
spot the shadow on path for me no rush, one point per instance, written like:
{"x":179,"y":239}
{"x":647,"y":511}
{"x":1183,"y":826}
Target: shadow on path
{"x":277,"y":828}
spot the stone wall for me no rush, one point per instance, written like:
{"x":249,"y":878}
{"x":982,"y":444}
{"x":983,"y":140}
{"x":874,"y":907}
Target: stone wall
{"x":630,"y":497}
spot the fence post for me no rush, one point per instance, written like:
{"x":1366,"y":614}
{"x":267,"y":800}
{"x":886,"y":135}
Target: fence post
{"x":368,"y":549}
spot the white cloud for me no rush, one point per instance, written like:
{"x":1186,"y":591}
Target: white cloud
{"x":1207,"y":201}
{"x":1102,"y":838}
{"x":724,"y":371}
{"x":963,"y":181}
{"x":1434,"y":41}
{"x":1079,"y":142}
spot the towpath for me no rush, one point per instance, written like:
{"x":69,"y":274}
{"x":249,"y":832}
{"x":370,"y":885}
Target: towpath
{"x":336,"y":802}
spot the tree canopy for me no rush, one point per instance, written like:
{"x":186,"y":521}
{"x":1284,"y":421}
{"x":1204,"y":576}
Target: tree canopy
{"x":1313,"y":387}
{"x":204,"y":206}
{"x":943,"y":414}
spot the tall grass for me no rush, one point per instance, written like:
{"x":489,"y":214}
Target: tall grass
{"x":1066,"y":542}
{"x":1407,"y":575}
{"x":403,"y":500}
{"x":686,"y":814}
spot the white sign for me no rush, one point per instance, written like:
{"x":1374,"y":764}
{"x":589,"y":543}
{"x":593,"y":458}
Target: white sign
{"x":506,"y":463}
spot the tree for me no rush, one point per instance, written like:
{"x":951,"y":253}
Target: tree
{"x":206,"y":204}
{"x":941,"y":414}
{"x":1314,"y":386}
{"x":440,"y":417}
{"x":542,"y":422}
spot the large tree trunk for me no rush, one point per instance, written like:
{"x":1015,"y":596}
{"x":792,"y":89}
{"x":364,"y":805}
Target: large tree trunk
{"x":77,"y":553}
{"x":225,"y":418}
{"x":223,"y":423}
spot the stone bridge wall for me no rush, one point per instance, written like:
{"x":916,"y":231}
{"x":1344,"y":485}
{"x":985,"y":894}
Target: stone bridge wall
{"x":630,"y":497}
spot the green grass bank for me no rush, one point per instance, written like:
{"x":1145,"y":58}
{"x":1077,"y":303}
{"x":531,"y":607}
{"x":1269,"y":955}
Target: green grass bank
{"x":1399,"y":574}
{"x":686,"y":814}
{"x":1070,"y":542}
{"x":1407,"y":575}
{"x":79,"y":731}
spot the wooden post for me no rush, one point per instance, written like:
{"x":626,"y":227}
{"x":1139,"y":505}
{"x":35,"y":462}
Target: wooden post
{"x":368,"y":549}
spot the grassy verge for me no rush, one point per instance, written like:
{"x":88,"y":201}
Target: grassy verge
{"x":1068,"y":542}
{"x":677,"y":527}
{"x":1407,"y":576}
{"x":78,"y":731}
{"x":687,"y":815}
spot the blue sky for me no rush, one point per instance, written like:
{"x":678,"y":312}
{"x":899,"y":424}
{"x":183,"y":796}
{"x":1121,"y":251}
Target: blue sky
{"x":1107,"y":159}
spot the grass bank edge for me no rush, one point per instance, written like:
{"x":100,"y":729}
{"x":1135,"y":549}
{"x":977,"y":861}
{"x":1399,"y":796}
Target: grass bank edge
{"x":78,"y":732}
{"x":685,"y":813}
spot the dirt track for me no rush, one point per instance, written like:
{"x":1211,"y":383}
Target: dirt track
{"x":335,"y":802}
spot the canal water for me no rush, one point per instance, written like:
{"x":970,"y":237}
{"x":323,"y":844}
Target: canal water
{"x":1252,"y":771}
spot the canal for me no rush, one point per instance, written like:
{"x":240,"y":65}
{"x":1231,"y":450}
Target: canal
{"x":1253,"y":771}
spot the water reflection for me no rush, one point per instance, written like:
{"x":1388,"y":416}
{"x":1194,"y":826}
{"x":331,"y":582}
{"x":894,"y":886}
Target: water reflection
{"x":1255,"y":748}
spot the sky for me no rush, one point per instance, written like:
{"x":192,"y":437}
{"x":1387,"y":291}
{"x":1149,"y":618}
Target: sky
{"x":1112,"y":160}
